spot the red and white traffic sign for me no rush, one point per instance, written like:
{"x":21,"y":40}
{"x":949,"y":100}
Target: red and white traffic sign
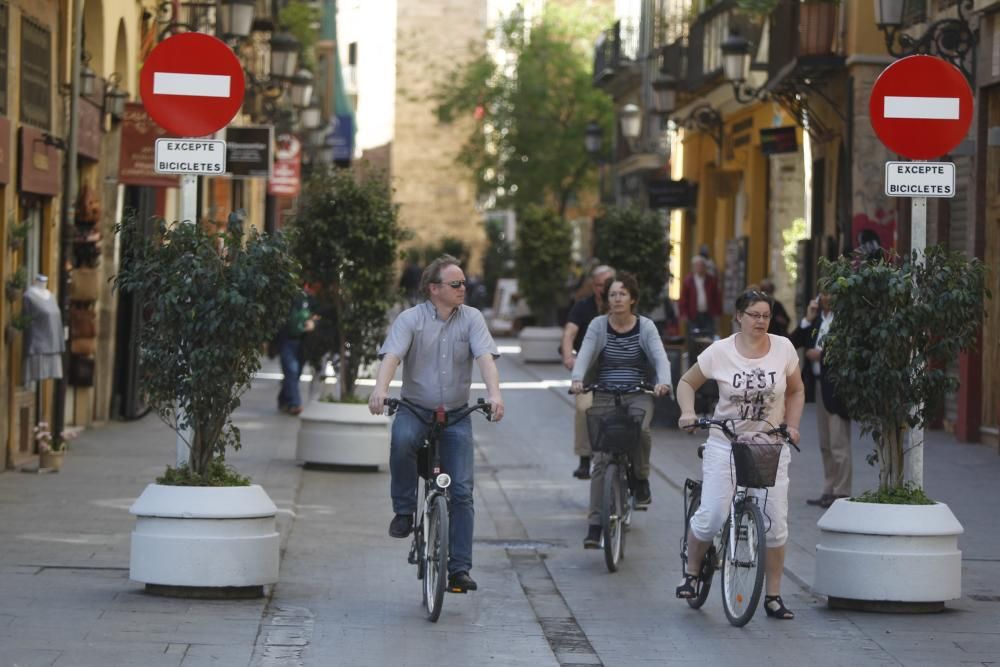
{"x":192,"y":84}
{"x":921,"y":107}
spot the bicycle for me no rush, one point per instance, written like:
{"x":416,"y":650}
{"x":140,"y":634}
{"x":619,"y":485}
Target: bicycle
{"x":740,"y":548}
{"x":429,"y":548}
{"x":615,"y":430}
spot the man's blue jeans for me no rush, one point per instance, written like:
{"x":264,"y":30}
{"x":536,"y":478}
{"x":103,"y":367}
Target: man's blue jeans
{"x":291,"y":369}
{"x":456,"y":450}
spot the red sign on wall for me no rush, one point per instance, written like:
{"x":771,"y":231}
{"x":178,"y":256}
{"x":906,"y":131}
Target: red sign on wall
{"x":136,"y":160}
{"x":286,"y":178}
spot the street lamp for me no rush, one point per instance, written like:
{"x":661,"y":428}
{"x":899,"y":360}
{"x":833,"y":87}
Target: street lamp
{"x":88,"y":77}
{"x":302,"y":88}
{"x":236,"y":18}
{"x":631,"y":119}
{"x":284,"y":55}
{"x":665,"y":92}
{"x":735,"y":61}
{"x":593,"y":138}
{"x":114,"y":97}
{"x":311,"y":116}
{"x":951,"y":39}
{"x":703,"y":118}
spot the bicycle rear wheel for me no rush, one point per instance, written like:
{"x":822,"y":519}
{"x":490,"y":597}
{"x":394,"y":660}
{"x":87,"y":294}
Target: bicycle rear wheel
{"x":707,"y":570}
{"x":612,"y":516}
{"x":435,"y":556}
{"x":743,"y":564}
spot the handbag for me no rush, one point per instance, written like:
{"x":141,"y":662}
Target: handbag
{"x":82,"y":322}
{"x":81,"y":371}
{"x":84,"y":284}
{"x":83,"y":346}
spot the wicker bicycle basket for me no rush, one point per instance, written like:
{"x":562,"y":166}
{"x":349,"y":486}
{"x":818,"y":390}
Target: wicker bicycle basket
{"x":614,"y":429}
{"x":755,"y":457}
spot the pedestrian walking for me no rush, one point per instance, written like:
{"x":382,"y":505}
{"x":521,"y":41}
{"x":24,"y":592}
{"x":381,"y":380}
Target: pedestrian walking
{"x":759,"y":386}
{"x":701,"y":301}
{"x":779,"y":316}
{"x":584,"y":310}
{"x":300,"y":321}
{"x":437,"y":341}
{"x":624,"y":349}
{"x":832,"y":420}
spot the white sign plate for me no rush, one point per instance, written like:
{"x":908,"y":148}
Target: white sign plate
{"x":190,"y":156}
{"x":919,"y":179}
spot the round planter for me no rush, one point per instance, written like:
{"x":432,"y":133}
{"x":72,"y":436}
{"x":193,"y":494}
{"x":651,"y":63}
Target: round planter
{"x":888,"y":557}
{"x":204,"y":541}
{"x":817,"y":24}
{"x":51,"y":460}
{"x":343,"y":434}
{"x":541,"y":344}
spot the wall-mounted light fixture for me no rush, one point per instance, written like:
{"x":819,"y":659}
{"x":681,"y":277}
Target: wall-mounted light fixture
{"x":235,"y":18}
{"x":88,"y":77}
{"x":284,"y":55}
{"x":114,"y":97}
{"x":735,"y":63}
{"x":302,"y":88}
{"x":311,"y":116}
{"x":631,"y":120}
{"x":952,"y":39}
{"x":703,"y":118}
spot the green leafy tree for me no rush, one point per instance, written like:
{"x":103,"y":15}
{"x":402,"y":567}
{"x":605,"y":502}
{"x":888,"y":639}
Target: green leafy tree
{"x":896,"y":326}
{"x":302,"y":19}
{"x":544,"y":240}
{"x":498,"y":259}
{"x":528,"y":146}
{"x":632,"y":239}
{"x":211,"y":301}
{"x":347,"y":237}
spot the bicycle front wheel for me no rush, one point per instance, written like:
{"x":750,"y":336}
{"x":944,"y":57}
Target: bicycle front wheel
{"x":743,"y":564}
{"x":435,"y":556}
{"x":613,"y":516}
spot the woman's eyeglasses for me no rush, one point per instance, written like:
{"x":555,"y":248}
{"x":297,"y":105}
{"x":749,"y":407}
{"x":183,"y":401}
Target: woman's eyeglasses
{"x":454,"y":284}
{"x":757,"y":317}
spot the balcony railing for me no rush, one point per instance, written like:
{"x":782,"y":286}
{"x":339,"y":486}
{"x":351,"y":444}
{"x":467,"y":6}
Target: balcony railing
{"x":704,"y":45}
{"x":617,"y":47}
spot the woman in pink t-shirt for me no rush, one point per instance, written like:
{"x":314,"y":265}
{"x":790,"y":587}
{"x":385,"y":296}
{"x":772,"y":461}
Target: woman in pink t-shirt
{"x":759,"y":387}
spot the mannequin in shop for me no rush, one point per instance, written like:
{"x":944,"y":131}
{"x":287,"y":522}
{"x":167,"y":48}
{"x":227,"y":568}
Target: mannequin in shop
{"x":44,"y":341}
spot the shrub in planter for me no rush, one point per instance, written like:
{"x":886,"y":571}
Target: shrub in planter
{"x":897,"y":324}
{"x":543,"y":254}
{"x":346,"y":236}
{"x":212,"y":301}
{"x":632,"y":239}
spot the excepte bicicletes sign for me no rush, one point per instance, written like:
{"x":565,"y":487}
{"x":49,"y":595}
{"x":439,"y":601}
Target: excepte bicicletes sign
{"x":190,"y":156}
{"x":920,"y":179}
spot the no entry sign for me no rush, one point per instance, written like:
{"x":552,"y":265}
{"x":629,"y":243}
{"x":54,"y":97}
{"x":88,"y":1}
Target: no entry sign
{"x":921,"y":107}
{"x":192,"y":84}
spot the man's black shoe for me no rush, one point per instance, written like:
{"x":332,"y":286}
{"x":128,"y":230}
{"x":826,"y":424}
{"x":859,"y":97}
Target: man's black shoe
{"x":823,"y":501}
{"x":643,"y":496}
{"x":593,"y":538}
{"x":461,"y":582}
{"x":583,"y":472}
{"x":401,"y":525}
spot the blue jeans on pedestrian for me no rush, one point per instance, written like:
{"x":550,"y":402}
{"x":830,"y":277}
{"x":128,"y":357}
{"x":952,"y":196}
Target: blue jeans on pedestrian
{"x":291,"y":368}
{"x":456,"y":451}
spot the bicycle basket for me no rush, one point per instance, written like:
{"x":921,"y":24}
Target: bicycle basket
{"x":614,"y":429}
{"x":755,"y":457}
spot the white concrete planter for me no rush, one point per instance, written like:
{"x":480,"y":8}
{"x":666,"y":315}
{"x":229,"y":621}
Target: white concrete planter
{"x":541,"y":344}
{"x":342,"y":434}
{"x":204,"y":537}
{"x":889,"y":554}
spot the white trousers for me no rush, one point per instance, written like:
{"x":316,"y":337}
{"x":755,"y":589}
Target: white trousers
{"x":719,"y":485}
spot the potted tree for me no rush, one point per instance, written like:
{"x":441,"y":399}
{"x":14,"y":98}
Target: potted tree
{"x":347,"y":236}
{"x":633,"y":239}
{"x":212,"y":299}
{"x":542,"y":256}
{"x":897,"y":324}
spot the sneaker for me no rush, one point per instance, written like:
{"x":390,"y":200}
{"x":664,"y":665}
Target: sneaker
{"x":593,"y":538}
{"x":583,"y":471}
{"x":643,"y":496}
{"x":295,"y":410}
{"x":461,"y":582}
{"x":401,"y":525}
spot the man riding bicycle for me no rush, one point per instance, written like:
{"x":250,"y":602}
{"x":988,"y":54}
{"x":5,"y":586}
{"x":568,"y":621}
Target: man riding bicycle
{"x":436,"y":341}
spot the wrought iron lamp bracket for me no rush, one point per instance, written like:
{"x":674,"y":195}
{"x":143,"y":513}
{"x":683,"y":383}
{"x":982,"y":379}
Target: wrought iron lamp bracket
{"x":951,"y":39}
{"x":704,"y":118}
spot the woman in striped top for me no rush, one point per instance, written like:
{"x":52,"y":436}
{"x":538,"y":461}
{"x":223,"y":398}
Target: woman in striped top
{"x":626,"y":350}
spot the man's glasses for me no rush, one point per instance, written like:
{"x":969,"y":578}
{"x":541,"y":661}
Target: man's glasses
{"x":757,"y":317}
{"x":454,"y":284}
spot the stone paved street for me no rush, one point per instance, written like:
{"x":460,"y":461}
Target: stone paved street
{"x":347,"y":596}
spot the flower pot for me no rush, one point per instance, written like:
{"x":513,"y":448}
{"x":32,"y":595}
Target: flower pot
{"x":342,"y":434}
{"x":817,"y":24}
{"x":204,"y":541}
{"x":50,"y":460}
{"x":541,"y":344}
{"x":888,"y":557}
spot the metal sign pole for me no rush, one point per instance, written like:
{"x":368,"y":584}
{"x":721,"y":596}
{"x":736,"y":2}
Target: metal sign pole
{"x":913,"y":455}
{"x":188,"y":214}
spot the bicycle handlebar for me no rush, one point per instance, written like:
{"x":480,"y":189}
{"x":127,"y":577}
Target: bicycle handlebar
{"x":448,"y":419}
{"x":621,"y":390}
{"x":726,"y":426}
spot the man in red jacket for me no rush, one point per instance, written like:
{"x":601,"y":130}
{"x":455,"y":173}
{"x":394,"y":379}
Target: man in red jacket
{"x":701,"y":301}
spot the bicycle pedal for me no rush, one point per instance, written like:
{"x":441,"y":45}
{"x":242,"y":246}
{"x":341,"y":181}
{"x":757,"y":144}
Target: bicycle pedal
{"x":641,"y":508}
{"x":455,"y":589}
